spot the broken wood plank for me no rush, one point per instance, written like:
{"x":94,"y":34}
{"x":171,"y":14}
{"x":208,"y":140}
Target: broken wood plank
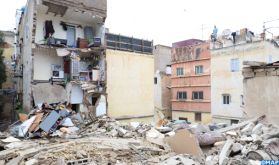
{"x":240,"y":125}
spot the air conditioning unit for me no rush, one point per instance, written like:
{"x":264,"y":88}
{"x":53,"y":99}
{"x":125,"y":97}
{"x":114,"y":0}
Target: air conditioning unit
{"x":57,"y":71}
{"x":57,"y":74}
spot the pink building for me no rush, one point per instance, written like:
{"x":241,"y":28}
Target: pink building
{"x":190,"y":81}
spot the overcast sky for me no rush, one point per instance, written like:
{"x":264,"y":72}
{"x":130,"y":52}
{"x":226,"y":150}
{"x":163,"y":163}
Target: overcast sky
{"x":168,"y":21}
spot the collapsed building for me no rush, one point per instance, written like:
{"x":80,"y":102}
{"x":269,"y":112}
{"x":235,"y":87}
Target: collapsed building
{"x":62,"y":43}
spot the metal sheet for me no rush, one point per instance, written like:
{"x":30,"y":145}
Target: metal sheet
{"x":50,"y":120}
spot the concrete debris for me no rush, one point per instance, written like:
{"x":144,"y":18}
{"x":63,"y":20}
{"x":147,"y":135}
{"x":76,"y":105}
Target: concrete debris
{"x":10,"y":140}
{"x":67,"y":139}
{"x":225,"y":152}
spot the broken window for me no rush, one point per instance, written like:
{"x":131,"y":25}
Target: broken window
{"x":198,"y":116}
{"x":235,"y":65}
{"x":181,"y":96}
{"x":199,"y":69}
{"x":179,"y":71}
{"x":197,"y":95}
{"x":226,"y":99}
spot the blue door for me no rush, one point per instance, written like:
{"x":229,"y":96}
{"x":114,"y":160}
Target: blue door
{"x":71,"y":36}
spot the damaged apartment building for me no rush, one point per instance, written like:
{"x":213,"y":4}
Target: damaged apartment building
{"x":61,"y":53}
{"x":227,"y":55}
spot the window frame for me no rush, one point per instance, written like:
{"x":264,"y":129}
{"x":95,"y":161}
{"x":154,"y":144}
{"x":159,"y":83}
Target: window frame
{"x":182,"y":94}
{"x":235,"y":65}
{"x":179,"y":71}
{"x":226,"y":99}
{"x":199,"y":69}
{"x":199,"y":95}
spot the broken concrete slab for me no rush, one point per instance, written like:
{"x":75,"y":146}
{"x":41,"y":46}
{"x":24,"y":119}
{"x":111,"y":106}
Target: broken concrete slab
{"x":240,"y":125}
{"x":245,"y":138}
{"x":183,"y":142}
{"x":256,"y":138}
{"x":225,"y":152}
{"x":15,"y":161}
{"x":247,"y":130}
{"x":220,"y":143}
{"x":258,"y":155}
{"x":32,"y":162}
{"x":237,"y":147}
{"x":231,"y":133}
{"x":258,"y":129}
{"x":8,"y":154}
{"x":45,"y":92}
{"x":10,"y":139}
{"x":153,"y":133}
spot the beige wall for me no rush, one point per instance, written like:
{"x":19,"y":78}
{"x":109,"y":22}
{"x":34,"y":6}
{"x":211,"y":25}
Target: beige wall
{"x":261,"y":97}
{"x":130,"y":84}
{"x":223,"y":81}
{"x":206,"y":117}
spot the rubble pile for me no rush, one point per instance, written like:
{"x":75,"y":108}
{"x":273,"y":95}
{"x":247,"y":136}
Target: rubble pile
{"x":248,"y":142}
{"x":45,"y":120}
{"x":68,"y":139}
{"x":107,"y":127}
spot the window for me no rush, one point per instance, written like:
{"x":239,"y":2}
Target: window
{"x":155,"y":80}
{"x":235,"y":65}
{"x":198,"y":116}
{"x":197,"y":95}
{"x":242,"y":100}
{"x":198,"y":52}
{"x":181,"y":96}
{"x":226,"y":99}
{"x":179,"y":71}
{"x":199,"y":69}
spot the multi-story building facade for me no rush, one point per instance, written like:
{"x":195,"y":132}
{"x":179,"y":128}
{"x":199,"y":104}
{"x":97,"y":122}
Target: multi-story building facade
{"x":190,"y":81}
{"x":228,"y":101}
{"x":60,"y":52}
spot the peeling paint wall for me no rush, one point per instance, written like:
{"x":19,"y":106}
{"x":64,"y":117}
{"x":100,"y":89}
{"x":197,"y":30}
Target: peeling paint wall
{"x":130,"y":84}
{"x":223,"y":81}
